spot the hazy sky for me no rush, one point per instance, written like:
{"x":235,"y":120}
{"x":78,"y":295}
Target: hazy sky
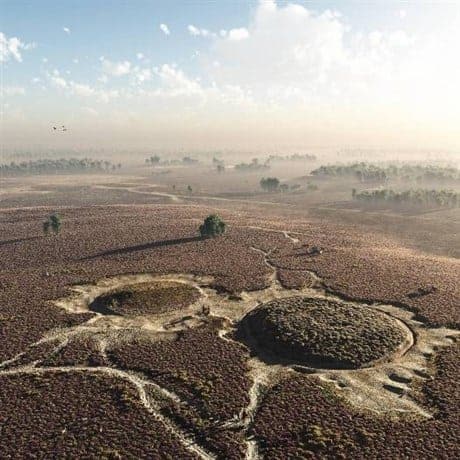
{"x":230,"y":73}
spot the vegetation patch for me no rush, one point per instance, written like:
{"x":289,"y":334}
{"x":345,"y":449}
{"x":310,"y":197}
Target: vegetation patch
{"x":146,"y":298}
{"x":419,"y":197}
{"x":323,"y":333}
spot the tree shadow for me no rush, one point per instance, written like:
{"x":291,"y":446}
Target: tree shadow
{"x":142,"y":247}
{"x":19,"y":240}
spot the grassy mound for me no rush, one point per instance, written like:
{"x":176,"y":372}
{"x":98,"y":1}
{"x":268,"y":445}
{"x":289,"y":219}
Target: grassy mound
{"x":323,"y":333}
{"x":146,"y":298}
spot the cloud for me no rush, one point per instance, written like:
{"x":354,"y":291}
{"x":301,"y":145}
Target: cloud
{"x":290,"y":55}
{"x":84,"y":90}
{"x":140,"y":56}
{"x":116,"y":69}
{"x":165,"y":29}
{"x":13,"y":91}
{"x":11,"y":48}
{"x":75,"y":61}
{"x":175,"y":83}
{"x":197,"y":32}
{"x":66,"y":30}
{"x":237,"y":34}
{"x":141,"y":75}
{"x":57,"y":80}
{"x":90,"y":111}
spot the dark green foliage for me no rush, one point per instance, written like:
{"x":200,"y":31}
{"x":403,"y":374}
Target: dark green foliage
{"x":270,"y":184}
{"x":53,"y":222}
{"x":213,"y":225}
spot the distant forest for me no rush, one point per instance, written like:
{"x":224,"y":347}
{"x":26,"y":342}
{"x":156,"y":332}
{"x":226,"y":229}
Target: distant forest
{"x":420,"y":197}
{"x":63,"y":165}
{"x":367,"y":172}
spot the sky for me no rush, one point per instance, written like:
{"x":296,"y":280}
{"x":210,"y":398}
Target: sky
{"x":229,"y":74}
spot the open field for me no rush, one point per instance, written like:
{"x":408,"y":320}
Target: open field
{"x":120,"y":337}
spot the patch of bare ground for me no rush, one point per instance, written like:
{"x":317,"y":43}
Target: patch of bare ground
{"x":302,"y":417}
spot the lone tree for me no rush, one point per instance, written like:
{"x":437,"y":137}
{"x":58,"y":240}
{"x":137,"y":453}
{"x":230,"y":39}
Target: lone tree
{"x":212,"y":226}
{"x":270,"y":184}
{"x":53,"y":223}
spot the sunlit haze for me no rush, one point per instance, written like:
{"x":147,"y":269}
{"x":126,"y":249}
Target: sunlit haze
{"x":231,"y":74}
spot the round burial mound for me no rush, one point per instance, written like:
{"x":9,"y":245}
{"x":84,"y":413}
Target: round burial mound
{"x":146,"y":299}
{"x":324,"y":333}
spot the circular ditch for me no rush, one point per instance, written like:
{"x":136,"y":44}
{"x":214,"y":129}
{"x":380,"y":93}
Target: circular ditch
{"x":146,"y":299}
{"x":324,"y":333}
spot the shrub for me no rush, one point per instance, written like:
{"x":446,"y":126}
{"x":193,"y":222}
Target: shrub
{"x":213,"y":225}
{"x":269,"y":184}
{"x":53,"y":222}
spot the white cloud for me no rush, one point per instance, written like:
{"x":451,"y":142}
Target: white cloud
{"x":141,"y":75}
{"x":12,"y":48}
{"x":175,"y":83}
{"x":73,"y":88}
{"x":82,"y":89}
{"x":197,"y":32}
{"x":165,"y":29}
{"x":75,"y":61}
{"x":140,"y":56}
{"x":193,"y":30}
{"x":57,"y":80}
{"x":116,"y":69}
{"x":238,"y":34}
{"x":66,"y":30}
{"x":289,"y":54}
{"x":44,"y":60}
{"x":90,"y":111}
{"x":13,"y":91}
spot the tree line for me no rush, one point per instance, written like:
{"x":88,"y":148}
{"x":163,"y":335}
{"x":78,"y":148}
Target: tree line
{"x":366,"y":172}
{"x":255,"y":165}
{"x":63,"y":165}
{"x":419,"y":197}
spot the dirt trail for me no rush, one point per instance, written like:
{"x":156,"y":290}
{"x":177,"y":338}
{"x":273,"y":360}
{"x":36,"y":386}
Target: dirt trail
{"x":177,"y":197}
{"x":287,"y":234}
{"x":171,"y":196}
{"x":140,"y":385}
{"x":383,"y":388}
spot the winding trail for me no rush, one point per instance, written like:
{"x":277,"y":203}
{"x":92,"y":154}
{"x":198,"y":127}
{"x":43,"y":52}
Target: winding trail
{"x":382,"y":389}
{"x":140,"y":385}
{"x":181,"y":197}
